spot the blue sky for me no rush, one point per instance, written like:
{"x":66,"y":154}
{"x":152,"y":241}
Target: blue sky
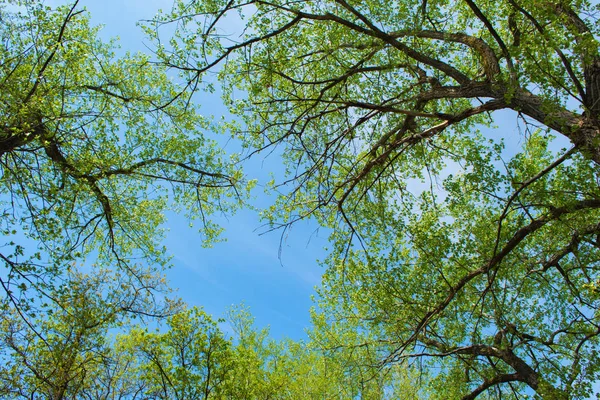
{"x":248,"y":267}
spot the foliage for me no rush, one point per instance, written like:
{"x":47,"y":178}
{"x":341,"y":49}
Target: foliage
{"x":489,"y":275}
{"x":67,"y":353}
{"x":93,"y":149}
{"x":73,"y":356}
{"x":284,"y":369}
{"x":191,"y":360}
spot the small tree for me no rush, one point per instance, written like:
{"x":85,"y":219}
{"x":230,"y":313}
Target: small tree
{"x":67,"y":353}
{"x":190,"y":360}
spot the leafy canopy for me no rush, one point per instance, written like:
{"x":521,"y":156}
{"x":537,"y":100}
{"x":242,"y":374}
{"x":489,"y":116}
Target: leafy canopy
{"x":93,"y":149}
{"x":490,"y":275}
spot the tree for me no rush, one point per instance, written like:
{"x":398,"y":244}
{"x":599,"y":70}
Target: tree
{"x":74,"y":355}
{"x":284,"y":369}
{"x":93,"y":149}
{"x":490,"y":274}
{"x":68,"y":353}
{"x":190,"y":360}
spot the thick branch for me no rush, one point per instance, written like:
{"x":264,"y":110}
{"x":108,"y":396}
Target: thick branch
{"x":523,"y":372}
{"x":491,"y":382}
{"x":493,"y":262}
{"x":583,"y":132}
{"x":53,"y":151}
{"x":496,"y":36}
{"x":565,"y":61}
{"x":375,"y":32}
{"x":488,"y":57}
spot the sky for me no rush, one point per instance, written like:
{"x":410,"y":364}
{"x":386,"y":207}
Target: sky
{"x":248,"y":267}
{"x":274,"y":276}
